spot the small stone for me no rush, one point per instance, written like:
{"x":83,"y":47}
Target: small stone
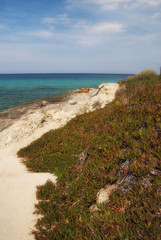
{"x":93,"y":208}
{"x":82,"y":158}
{"x":72,"y":102}
{"x":43,"y":103}
{"x":153,"y":172}
{"x":127,"y":182}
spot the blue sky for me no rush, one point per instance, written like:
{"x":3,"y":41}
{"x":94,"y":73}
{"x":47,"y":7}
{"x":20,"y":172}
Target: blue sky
{"x":95,"y":36}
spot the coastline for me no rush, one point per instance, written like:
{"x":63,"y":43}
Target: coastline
{"x":16,"y":89}
{"x":18,"y":186}
{"x":9,"y":116}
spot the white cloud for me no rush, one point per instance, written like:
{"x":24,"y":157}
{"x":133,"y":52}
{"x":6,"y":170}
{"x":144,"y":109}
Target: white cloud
{"x":99,"y":28}
{"x":143,"y":4}
{"x":41,"y":34}
{"x":58,"y":19}
{"x":114,"y":4}
{"x":108,"y":4}
{"x":103,"y":4}
{"x":95,"y":34}
{"x":80,"y":24}
{"x":151,"y":2}
{"x":48,"y":20}
{"x":82,"y":32}
{"x":106,"y":28}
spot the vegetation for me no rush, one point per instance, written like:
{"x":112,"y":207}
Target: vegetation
{"x":143,"y":76}
{"x":128,"y":130}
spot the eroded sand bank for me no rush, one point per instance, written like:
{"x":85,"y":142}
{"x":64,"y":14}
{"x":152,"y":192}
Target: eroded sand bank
{"x":17,"y":186}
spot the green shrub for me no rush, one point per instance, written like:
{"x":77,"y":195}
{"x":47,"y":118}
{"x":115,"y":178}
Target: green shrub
{"x":143,"y":76}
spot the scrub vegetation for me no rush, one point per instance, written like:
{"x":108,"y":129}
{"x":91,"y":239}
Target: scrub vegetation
{"x":120,"y":141}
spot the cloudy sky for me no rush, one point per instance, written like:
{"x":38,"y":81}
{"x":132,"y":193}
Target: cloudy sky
{"x":95,"y":36}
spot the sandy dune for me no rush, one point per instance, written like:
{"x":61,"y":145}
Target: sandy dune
{"x":17,"y":186}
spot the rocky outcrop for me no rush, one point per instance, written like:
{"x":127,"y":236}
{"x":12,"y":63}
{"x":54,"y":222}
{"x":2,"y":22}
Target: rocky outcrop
{"x":8,"y":117}
{"x":50,"y":113}
{"x":125,"y":181}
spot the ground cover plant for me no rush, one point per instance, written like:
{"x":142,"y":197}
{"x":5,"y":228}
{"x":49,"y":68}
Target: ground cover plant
{"x":123,"y":139}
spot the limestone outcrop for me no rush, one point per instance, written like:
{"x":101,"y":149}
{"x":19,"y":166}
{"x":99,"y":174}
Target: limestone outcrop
{"x":26,"y":119}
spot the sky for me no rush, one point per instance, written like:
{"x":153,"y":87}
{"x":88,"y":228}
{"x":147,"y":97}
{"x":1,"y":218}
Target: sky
{"x":80,"y":36}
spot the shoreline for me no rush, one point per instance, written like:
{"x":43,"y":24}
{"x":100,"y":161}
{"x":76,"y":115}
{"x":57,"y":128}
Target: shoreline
{"x":18,"y":88}
{"x":18,"y":186}
{"x":16,"y":113}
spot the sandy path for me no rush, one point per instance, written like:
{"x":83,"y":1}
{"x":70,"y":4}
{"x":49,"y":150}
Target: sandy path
{"x":17,"y":186}
{"x":17,"y":196}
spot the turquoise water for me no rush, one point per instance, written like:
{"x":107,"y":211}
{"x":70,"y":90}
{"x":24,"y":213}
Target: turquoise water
{"x":19,"y":88}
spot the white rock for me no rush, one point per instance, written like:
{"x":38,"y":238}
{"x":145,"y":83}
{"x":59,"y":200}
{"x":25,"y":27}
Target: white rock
{"x":104,"y":194}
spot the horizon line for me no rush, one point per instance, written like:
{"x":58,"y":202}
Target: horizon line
{"x":64,"y":73}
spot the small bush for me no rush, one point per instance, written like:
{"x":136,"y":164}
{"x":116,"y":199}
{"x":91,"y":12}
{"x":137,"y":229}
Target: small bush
{"x":143,"y":76}
{"x":121,"y":95}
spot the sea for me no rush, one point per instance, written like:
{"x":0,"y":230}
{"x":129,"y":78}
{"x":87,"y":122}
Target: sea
{"x":19,"y":88}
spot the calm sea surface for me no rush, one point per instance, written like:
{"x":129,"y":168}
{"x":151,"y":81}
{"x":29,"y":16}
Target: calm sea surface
{"x":19,"y":88}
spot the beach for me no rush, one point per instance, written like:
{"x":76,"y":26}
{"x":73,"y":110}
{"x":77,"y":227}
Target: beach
{"x":21,"y":126}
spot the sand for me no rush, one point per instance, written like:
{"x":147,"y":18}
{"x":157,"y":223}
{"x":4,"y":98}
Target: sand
{"x":17,"y":185}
